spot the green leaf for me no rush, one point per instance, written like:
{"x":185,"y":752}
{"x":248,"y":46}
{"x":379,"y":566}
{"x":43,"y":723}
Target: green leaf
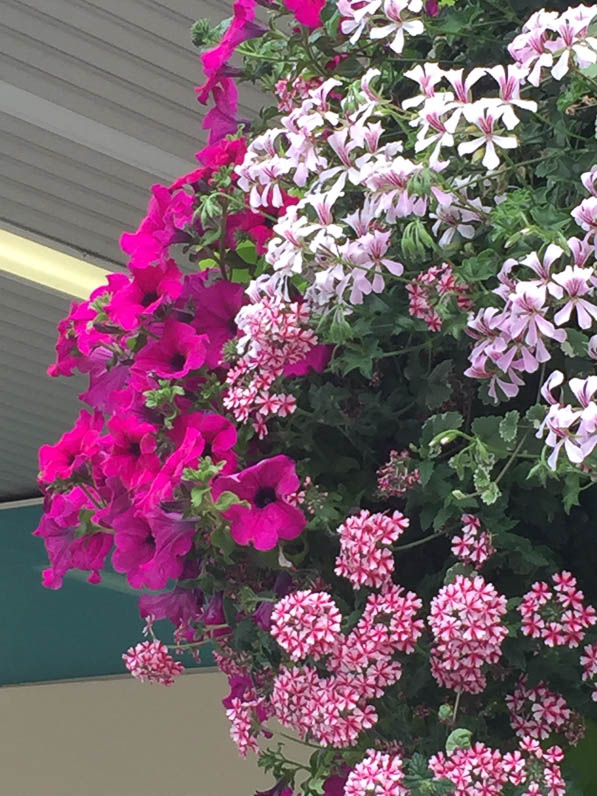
{"x":198,"y":495}
{"x":221,"y":539}
{"x":458,"y":739}
{"x":488,"y":430}
{"x":248,"y":252}
{"x":438,"y":389}
{"x":228,"y":499}
{"x":575,"y":344}
{"x":508,"y":427}
{"x":432,"y":427}
{"x":490,"y":494}
{"x":571,"y":491}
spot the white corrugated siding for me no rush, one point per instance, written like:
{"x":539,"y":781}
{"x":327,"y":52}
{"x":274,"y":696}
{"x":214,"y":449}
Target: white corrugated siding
{"x":96,"y":104}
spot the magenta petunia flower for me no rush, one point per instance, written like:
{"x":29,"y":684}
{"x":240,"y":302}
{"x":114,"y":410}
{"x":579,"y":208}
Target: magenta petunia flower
{"x":66,"y":550}
{"x":149,"y":289}
{"x":216,"y":307}
{"x":105,"y":385}
{"x":222,"y":119}
{"x":307,"y":12}
{"x":224,"y":153}
{"x":131,"y":451}
{"x":164,"y":483}
{"x":269,"y":517}
{"x":218,"y":434}
{"x":178,"y":350}
{"x":168,"y":213}
{"x":242,"y":27}
{"x":73,"y":449}
{"x":317,"y":359}
{"x":173,"y":539}
{"x":134,"y":546}
{"x":180,"y":606}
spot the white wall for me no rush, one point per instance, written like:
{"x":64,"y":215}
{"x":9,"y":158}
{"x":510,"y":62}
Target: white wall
{"x":118,"y":737}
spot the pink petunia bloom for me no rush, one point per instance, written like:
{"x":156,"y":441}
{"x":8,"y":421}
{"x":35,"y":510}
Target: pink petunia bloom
{"x":317,"y":360}
{"x":131,"y":451}
{"x":269,"y":517}
{"x":307,"y":12}
{"x":218,"y":434}
{"x":180,"y":606}
{"x":216,"y":307}
{"x":73,"y":450}
{"x":165,"y":482}
{"x":223,"y":153}
{"x":134,"y":546}
{"x":173,"y":539}
{"x":222,"y":120}
{"x":242,"y":27}
{"x":167,"y":215}
{"x":178,"y":350}
{"x":66,"y":548}
{"x":149,"y":289}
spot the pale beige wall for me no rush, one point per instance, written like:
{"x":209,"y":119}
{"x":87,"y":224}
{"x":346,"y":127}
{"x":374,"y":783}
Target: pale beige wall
{"x":121,"y":738}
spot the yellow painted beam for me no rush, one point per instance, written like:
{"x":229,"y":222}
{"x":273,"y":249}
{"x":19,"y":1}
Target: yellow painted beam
{"x":47,"y":267}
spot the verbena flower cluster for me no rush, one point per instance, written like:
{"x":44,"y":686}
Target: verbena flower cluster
{"x":351,"y":366}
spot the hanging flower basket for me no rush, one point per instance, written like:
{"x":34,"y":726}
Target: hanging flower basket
{"x":340,"y":422}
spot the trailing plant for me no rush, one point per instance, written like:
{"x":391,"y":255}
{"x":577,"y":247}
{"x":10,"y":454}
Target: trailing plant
{"x":342,"y":424}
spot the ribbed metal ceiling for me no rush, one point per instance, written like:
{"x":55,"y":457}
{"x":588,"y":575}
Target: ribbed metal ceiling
{"x":96,"y":105}
{"x":33,"y":408}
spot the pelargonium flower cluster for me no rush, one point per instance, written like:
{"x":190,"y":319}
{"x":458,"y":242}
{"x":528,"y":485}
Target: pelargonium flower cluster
{"x":335,"y":709}
{"x":377,"y":774}
{"x":366,"y":557}
{"x":558,"y":617}
{"x":589,"y":663}
{"x":465,"y":620}
{"x":556,"y":42}
{"x":478,"y":769}
{"x":276,"y":339}
{"x":150,"y":661}
{"x":306,"y":623}
{"x":429,"y":291}
{"x":474,"y":545}
{"x":570,"y":429}
{"x":395,"y":478}
{"x":483,"y":770}
{"x":537,"y":712}
{"x":517,"y":339}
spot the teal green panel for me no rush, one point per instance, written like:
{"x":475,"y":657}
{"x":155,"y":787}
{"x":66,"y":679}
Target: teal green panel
{"x":80,"y":630}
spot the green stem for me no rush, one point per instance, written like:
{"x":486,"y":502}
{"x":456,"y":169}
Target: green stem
{"x":456,"y":705}
{"x":297,"y":740}
{"x":411,"y":545}
{"x":91,"y":497}
{"x":402,"y":351}
{"x":512,"y":458}
{"x":585,"y":76}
